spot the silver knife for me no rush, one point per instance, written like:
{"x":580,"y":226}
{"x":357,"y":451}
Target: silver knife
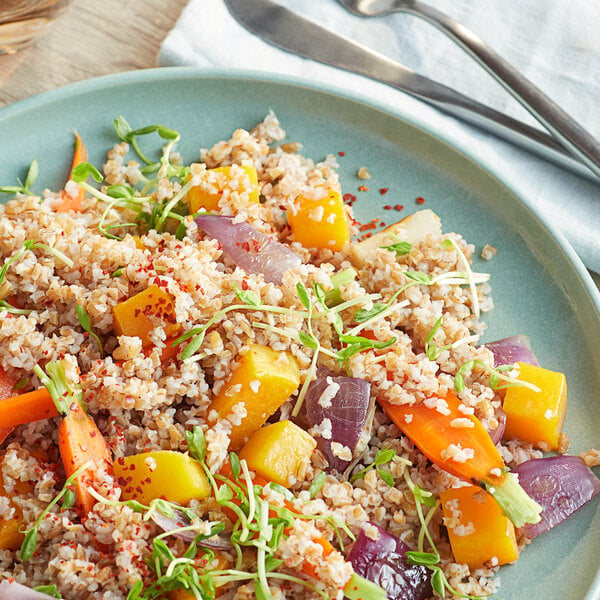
{"x":292,"y":32}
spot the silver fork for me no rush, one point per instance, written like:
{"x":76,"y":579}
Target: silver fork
{"x":563,"y":127}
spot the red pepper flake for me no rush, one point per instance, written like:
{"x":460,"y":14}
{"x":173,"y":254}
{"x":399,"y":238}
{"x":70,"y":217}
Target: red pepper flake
{"x":367,"y":226}
{"x":384,"y":191}
{"x":387,"y":207}
{"x":398,"y":207}
{"x":382,"y":224}
{"x":363,"y":188}
{"x":349,"y":199}
{"x":367,"y":235}
{"x":342,"y":153}
{"x":420,"y":200}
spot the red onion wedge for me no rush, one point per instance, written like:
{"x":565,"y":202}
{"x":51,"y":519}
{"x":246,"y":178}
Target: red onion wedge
{"x":11,"y":590}
{"x":344,"y":401}
{"x":179,"y":520}
{"x":560,"y":484}
{"x":383,"y":562}
{"x":250,"y":249}
{"x":511,"y":350}
{"x":497,"y":433}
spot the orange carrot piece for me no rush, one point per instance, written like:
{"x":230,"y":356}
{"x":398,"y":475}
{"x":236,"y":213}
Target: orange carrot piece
{"x":459,"y":444}
{"x":437,"y":433}
{"x":80,"y":155}
{"x":80,"y":441}
{"x":7,"y":388}
{"x":27,"y":408}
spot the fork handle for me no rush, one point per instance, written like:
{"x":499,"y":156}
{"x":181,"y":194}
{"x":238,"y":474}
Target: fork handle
{"x":562,"y":126}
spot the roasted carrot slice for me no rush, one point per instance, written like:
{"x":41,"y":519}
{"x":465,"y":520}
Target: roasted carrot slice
{"x":26,"y":408}
{"x":458,"y":443}
{"x":80,"y":155}
{"x":81,"y":444}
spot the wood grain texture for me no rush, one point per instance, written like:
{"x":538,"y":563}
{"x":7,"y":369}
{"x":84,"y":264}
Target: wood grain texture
{"x":94,"y":37}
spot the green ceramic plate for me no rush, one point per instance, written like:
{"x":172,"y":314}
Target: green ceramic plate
{"x":540,"y":287}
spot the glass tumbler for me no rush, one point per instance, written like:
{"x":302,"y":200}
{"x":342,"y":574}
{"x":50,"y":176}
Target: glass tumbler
{"x":23,"y":22}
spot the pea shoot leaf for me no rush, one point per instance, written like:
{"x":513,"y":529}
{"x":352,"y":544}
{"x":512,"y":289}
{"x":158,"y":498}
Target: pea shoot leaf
{"x":308,"y":340}
{"x":196,"y":443}
{"x":362,"y":314}
{"x":386,"y":476}
{"x":384,"y":456}
{"x":400,"y":248}
{"x":303,"y":296}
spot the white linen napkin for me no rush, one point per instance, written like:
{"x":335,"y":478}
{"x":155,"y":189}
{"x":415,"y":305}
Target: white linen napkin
{"x":553,"y":42}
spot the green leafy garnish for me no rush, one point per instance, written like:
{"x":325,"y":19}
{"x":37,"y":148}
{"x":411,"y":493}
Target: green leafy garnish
{"x":399,"y":248}
{"x":51,"y":590}
{"x":25,"y":187}
{"x":30,"y":540}
{"x":86,"y":324}
{"x":317,"y":484}
{"x":383,"y":457}
{"x":496,"y":375}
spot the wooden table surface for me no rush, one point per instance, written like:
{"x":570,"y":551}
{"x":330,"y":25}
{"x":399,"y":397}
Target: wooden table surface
{"x":94,"y":37}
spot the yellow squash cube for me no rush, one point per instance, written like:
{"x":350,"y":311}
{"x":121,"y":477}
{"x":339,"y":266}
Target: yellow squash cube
{"x":141,"y":313}
{"x":238,"y":178}
{"x":277,"y":452}
{"x":321,"y":222}
{"x":478,"y":531}
{"x":173,"y":476}
{"x":536,"y":417}
{"x":263,"y":380}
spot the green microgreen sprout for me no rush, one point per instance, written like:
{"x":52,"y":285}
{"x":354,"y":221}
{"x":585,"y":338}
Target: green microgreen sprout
{"x":333,"y":297}
{"x":399,"y":248}
{"x":86,"y":324}
{"x":51,"y":590}
{"x":496,"y":376}
{"x":317,"y":484}
{"x":5,"y":287}
{"x":25,"y":187}
{"x":433,"y":352}
{"x":431,"y":559}
{"x":383,"y":457}
{"x":66,"y":494}
{"x":449,"y":243}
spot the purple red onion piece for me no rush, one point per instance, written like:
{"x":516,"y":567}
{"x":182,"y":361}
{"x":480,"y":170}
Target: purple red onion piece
{"x":511,"y":350}
{"x":497,"y":433}
{"x":345,"y":402}
{"x":383,"y":562}
{"x":560,"y":484}
{"x":11,"y":590}
{"x":250,"y":249}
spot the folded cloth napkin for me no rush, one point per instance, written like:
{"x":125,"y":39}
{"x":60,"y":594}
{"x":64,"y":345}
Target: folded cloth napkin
{"x":554,"y":43}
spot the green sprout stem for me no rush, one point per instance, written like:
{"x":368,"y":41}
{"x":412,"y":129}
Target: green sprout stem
{"x":30,"y":541}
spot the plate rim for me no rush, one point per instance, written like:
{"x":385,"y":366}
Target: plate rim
{"x":191,"y":72}
{"x":453,"y":141}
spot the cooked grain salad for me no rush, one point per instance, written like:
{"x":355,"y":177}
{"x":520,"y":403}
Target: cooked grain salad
{"x":212,"y":387}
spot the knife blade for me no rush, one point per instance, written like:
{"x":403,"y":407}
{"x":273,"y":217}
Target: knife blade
{"x":294,"y":33}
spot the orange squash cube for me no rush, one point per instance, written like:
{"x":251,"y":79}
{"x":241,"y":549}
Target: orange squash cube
{"x":174,"y":476}
{"x":277,"y":452}
{"x":240,"y":178}
{"x":320,"y":222}
{"x":536,"y":417}
{"x":11,"y":537}
{"x":478,"y":531}
{"x":263,"y":380}
{"x":141,"y":313}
